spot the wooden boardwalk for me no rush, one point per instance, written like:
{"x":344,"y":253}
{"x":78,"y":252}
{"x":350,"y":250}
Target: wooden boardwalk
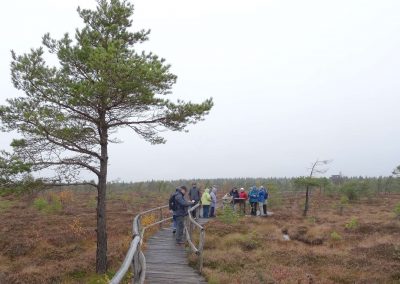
{"x":166,"y":262}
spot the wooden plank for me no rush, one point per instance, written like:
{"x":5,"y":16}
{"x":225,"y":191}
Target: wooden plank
{"x":180,"y":273}
{"x":182,"y":269}
{"x":178,"y":278}
{"x":174,"y":281}
{"x":166,"y":262}
{"x":162,"y":262}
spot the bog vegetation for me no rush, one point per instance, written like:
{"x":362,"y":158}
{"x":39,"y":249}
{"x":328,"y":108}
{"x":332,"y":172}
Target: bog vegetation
{"x":351,"y":233}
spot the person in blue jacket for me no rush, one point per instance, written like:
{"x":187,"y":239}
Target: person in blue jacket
{"x":253,"y":198}
{"x":262,"y":197}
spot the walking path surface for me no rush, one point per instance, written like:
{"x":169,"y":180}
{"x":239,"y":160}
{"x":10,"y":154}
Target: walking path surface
{"x":168,"y":263}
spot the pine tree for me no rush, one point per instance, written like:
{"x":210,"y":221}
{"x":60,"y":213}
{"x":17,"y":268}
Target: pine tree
{"x":70,"y":111}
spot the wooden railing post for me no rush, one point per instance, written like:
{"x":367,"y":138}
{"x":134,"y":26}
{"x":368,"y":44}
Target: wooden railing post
{"x":189,"y":226}
{"x":139,"y":225}
{"x":143,"y":267}
{"x":201,"y":247}
{"x":200,"y":208}
{"x":161,"y":218}
{"x":133,"y":271}
{"x":136,"y":266}
{"x":135,"y":260}
{"x":185,"y":228}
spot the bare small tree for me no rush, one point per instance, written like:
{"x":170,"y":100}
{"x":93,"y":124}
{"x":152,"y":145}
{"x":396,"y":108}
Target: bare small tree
{"x":317,"y":167}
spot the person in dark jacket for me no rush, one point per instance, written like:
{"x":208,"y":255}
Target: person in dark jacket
{"x":181,"y":212}
{"x":173,"y":213}
{"x":194,"y":194}
{"x":235,"y":194}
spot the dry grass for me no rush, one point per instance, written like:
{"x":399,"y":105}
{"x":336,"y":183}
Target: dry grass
{"x":59,"y":246}
{"x":253,"y":250}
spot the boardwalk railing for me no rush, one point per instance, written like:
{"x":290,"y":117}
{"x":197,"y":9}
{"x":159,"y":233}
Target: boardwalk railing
{"x":190,"y":225}
{"x":135,"y":257}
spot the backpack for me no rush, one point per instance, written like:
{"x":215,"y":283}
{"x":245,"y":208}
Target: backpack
{"x":172,"y":202}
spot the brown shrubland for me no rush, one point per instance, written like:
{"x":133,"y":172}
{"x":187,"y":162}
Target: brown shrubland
{"x":323,"y":248}
{"x":57,"y":244}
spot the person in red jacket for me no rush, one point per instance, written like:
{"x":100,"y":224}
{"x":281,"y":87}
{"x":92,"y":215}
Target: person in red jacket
{"x":243,"y":198}
{"x":243,"y":194}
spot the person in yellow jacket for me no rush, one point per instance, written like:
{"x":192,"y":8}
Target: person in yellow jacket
{"x":206,"y":201}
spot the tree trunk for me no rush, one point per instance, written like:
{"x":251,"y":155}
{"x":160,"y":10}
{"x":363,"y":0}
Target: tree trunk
{"x":101,"y":252}
{"x":306,"y":203}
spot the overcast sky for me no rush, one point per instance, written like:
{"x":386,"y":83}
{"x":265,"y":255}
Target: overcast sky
{"x":292,"y":81}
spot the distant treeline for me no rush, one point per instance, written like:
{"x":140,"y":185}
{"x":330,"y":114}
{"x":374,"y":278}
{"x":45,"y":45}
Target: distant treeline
{"x":335,"y":184}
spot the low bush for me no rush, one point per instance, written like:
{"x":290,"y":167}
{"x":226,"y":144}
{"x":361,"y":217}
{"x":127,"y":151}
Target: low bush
{"x":335,"y":236}
{"x":352,"y":224}
{"x":55,"y":203}
{"x":342,"y":204}
{"x":50,"y":205}
{"x":40,"y":203}
{"x":228,"y":215}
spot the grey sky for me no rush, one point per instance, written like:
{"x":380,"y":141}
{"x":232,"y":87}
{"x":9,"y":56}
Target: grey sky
{"x":292,"y":81}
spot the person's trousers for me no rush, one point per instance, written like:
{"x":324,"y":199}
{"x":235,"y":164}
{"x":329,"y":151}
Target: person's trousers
{"x":179,"y":228}
{"x":261,"y":207}
{"x":174,"y":222}
{"x":242,"y":206}
{"x":212,"y":211}
{"x":253,"y":208}
{"x":194,"y":212}
{"x":206,"y":209}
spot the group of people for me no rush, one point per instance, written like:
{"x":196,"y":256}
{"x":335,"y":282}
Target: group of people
{"x":179,"y":206}
{"x":258,"y":198}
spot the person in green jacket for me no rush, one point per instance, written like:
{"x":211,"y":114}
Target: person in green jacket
{"x":206,"y":201}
